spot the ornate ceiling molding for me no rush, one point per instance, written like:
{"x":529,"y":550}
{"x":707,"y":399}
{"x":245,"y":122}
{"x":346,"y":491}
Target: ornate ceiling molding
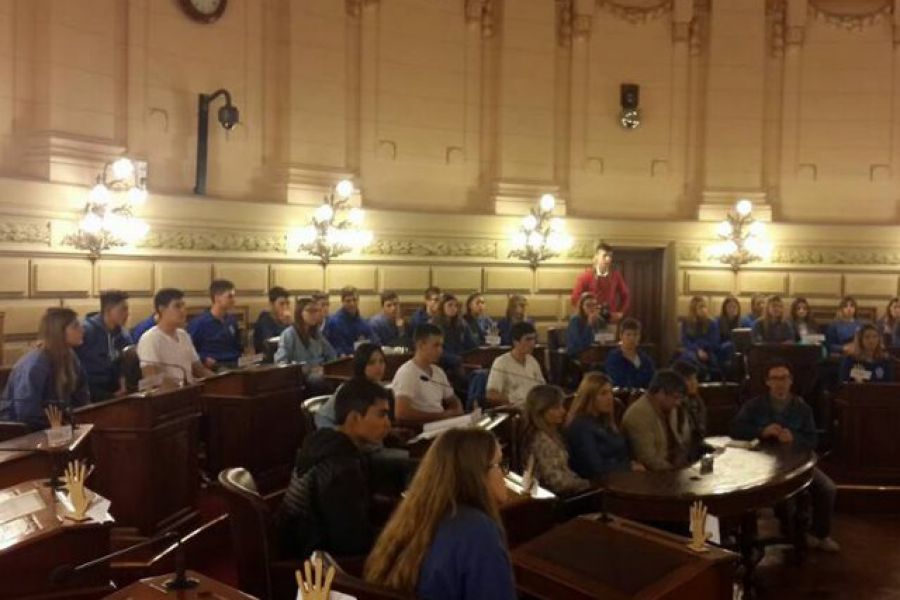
{"x":354,"y":7}
{"x":25,"y":232}
{"x":868,"y":14}
{"x":481,"y":12}
{"x":636,"y":13}
{"x":808,"y":255}
{"x":218,"y":240}
{"x":460,"y":248}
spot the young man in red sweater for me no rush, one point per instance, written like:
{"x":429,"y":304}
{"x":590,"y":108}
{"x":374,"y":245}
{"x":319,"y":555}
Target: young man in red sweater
{"x":606,"y":284}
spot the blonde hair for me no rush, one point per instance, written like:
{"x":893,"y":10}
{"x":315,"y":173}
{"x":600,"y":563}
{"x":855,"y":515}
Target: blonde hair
{"x":695,"y":324}
{"x":539,"y":400}
{"x":452,"y":473}
{"x":52,"y":341}
{"x":585,"y":395}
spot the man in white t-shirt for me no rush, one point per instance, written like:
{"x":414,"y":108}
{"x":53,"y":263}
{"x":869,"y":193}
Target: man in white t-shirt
{"x":513,"y":374}
{"x":421,"y":390}
{"x":166,"y":348}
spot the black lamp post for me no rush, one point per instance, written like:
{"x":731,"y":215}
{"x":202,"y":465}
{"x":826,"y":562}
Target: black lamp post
{"x":228,"y":117}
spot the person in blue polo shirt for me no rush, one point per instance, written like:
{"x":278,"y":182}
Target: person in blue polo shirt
{"x":105,"y":337}
{"x":429,"y":309}
{"x":346,"y":327}
{"x":272,"y":322}
{"x":215,"y":333}
{"x":388,"y":326}
{"x":628,"y":366}
{"x":143,"y":327}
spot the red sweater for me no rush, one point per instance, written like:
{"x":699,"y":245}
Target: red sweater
{"x":610,"y":290}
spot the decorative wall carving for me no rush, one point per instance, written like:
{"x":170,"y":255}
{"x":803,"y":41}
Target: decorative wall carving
{"x":636,"y":14}
{"x":482,"y":12}
{"x":805,"y":255}
{"x":426,"y":247}
{"x":852,"y":20}
{"x":776,"y":18}
{"x":25,"y":232}
{"x":214,"y":240}
{"x":354,"y":7}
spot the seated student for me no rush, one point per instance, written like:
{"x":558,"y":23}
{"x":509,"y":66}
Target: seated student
{"x":700,"y":339}
{"x":270,"y":323}
{"x":421,"y":389}
{"x":729,"y":319}
{"x":802,"y":320}
{"x":773,"y":328}
{"x":757,"y":310}
{"x":842,"y":330}
{"x":655,"y":433}
{"x":328,"y":502}
{"x":889,"y":324}
{"x":869,"y":360}
{"x":368,"y":363}
{"x":596,"y":446}
{"x":584,"y":326}
{"x":480,"y":324}
{"x":541,"y":438}
{"x":50,"y":374}
{"x":429,"y":309}
{"x":346,"y":327}
{"x":323,"y":303}
{"x":105,"y":337}
{"x":215,"y":333}
{"x":781,"y":417}
{"x":692,"y":408}
{"x":628,"y":366}
{"x":445,"y":541}
{"x":388,"y":327}
{"x":516,"y":311}
{"x":457,"y":337}
{"x":302,"y":343}
{"x":514,"y":373}
{"x":143,"y":327}
{"x":167,"y":349}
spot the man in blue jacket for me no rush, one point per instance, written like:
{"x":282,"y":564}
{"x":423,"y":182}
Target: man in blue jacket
{"x":346,"y":327}
{"x":105,"y":337}
{"x":215,"y":333}
{"x":782,"y":418}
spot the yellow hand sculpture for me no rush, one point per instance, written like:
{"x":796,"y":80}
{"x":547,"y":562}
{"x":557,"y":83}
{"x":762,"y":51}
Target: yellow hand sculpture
{"x":699,"y":535}
{"x":314,"y":589}
{"x":76,"y":474}
{"x":54,"y":416}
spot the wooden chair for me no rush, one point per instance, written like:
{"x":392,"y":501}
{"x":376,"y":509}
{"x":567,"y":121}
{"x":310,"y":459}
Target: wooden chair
{"x":354,"y":586}
{"x":131,"y":367}
{"x":310,"y":407}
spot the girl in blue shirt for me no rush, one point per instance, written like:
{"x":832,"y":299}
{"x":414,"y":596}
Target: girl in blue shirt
{"x":889,"y":324}
{"x":700,"y":339}
{"x":445,"y":541}
{"x":729,"y":318}
{"x":869,"y":361}
{"x":516,"y":310}
{"x":802,"y":319}
{"x":841,"y":332}
{"x":773,"y":328}
{"x":584,"y":325}
{"x":477,"y":319}
{"x":628,"y":366}
{"x":303,"y":343}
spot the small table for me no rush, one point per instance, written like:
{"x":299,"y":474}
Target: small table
{"x":154,"y":587}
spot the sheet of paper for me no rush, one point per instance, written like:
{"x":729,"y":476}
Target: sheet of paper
{"x":246,"y":361}
{"x":712,"y":528}
{"x":21,"y":505}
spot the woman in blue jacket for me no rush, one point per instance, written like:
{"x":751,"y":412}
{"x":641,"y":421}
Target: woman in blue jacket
{"x":628,"y":366}
{"x":842,"y":330}
{"x":869,"y":361}
{"x":584,"y":325}
{"x":700,"y":340}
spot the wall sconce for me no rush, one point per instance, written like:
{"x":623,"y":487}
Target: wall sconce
{"x":540,"y":236}
{"x":229,"y":116}
{"x":328,"y":237}
{"x":742,"y":239}
{"x":629,"y":99}
{"x":108,"y":219}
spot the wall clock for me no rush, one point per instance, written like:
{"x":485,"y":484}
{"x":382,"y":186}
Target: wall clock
{"x":203,"y":11}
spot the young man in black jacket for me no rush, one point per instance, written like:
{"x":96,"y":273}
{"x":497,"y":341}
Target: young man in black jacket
{"x":328,"y":503}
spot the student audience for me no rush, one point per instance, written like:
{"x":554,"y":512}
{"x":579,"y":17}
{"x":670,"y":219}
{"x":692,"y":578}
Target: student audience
{"x":324,"y":304}
{"x":842,"y":330}
{"x":596,"y":446}
{"x":346,"y":327}
{"x":429,"y":309}
{"x":516,"y":311}
{"x":514,"y":373}
{"x":584,"y":326}
{"x":368,"y":363}
{"x":457,"y":337}
{"x":656,"y":430}
{"x":388,"y":327}
{"x":105,"y":337}
{"x":700,"y":339}
{"x":445,"y":541}
{"x":888,"y":324}
{"x":50,"y":374}
{"x":869,"y":360}
{"x":802,"y":319}
{"x":421,"y":388}
{"x":606,"y":285}
{"x":628,"y":366}
{"x":542,"y":439}
{"x":271,"y":323}
{"x":729,"y":319}
{"x":303,"y":343}
{"x":166,"y":349}
{"x":328,"y":504}
{"x":773,"y":328}
{"x":693,"y":408}
{"x":757,"y":310}
{"x":783,"y":418}
{"x":480,"y":324}
{"x":215,"y":333}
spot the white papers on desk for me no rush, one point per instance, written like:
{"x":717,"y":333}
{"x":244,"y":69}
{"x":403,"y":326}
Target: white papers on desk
{"x":21,"y":505}
{"x":58,"y":436}
{"x":720,"y":442}
{"x":514,"y":482}
{"x":604,"y":337}
{"x":252,"y":359}
{"x":712,"y":528}
{"x":812,"y":338}
{"x":431,"y":430}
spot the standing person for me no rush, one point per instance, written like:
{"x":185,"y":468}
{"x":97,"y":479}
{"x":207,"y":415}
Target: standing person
{"x":700,"y":339}
{"x":655,"y":433}
{"x":606,"y":284}
{"x":773,"y":328}
{"x":516,"y":312}
{"x":105,"y":337}
{"x":215,"y":333}
{"x":167,"y":348}
{"x":514,"y":373}
{"x":270,"y":323}
{"x":346,"y":328}
{"x":388,"y":327}
{"x":869,"y":361}
{"x":842,"y":330}
{"x":628,"y":366}
{"x":50,"y":374}
{"x":477,"y":319}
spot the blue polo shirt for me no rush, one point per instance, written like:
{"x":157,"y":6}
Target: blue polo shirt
{"x":343,"y":330}
{"x":216,"y":338}
{"x":143,"y":327}
{"x":623,"y":372}
{"x":100,"y":356}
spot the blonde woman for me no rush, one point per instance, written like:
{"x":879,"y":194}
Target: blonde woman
{"x":445,"y":541}
{"x":773,"y":328}
{"x":49,"y":374}
{"x":542,"y":439}
{"x":596,"y":445}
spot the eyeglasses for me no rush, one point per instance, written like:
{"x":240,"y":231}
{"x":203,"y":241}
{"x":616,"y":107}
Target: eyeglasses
{"x":503,"y":465}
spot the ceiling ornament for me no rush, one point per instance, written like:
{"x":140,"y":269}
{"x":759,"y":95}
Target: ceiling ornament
{"x":636,"y":12}
{"x":865,"y":15}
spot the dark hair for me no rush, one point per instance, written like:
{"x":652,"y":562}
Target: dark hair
{"x":629,"y":324}
{"x":277,"y":292}
{"x":445,"y":322}
{"x":469,"y":301}
{"x":349,"y":291}
{"x":166,"y":296}
{"x":685,"y":369}
{"x":667,"y":381}
{"x":603,"y":246}
{"x":726,"y":323}
{"x":513,"y":300}
{"x":219,"y":286}
{"x":388,"y":295}
{"x":778,"y":363}
{"x":520,"y":330}
{"x":425,"y":331}
{"x":111,"y":298}
{"x":361,"y":357}
{"x":357,"y":395}
{"x":303,"y":330}
{"x":431,"y":291}
{"x":319,"y":296}
{"x":848,"y":300}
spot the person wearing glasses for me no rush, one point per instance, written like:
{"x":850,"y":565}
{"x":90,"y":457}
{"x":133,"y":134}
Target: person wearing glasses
{"x":514,"y":373}
{"x":657,"y":432}
{"x":303,"y":343}
{"x":584,"y":326}
{"x":780,"y":417}
{"x":216,"y":333}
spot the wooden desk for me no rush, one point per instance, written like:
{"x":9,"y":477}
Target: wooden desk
{"x":145,"y":450}
{"x":804,"y":361}
{"x":153,"y":588}
{"x":33,"y":545}
{"x":585,"y":558}
{"x":254,"y":420}
{"x":32,"y":457}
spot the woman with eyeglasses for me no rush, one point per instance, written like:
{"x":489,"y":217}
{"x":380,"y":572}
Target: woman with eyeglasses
{"x":584,"y":326}
{"x":445,"y":541}
{"x":303,"y":343}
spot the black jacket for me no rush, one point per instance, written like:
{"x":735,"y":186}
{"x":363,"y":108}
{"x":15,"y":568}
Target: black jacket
{"x":328,"y":502}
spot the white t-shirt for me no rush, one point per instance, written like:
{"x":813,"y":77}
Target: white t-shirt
{"x":427,"y":395}
{"x":158,"y":347}
{"x":513,"y":379}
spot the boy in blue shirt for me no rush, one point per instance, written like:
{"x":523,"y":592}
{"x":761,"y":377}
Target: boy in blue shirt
{"x":346,"y":327}
{"x":388,"y":327}
{"x":105,"y":337}
{"x":215,"y":333}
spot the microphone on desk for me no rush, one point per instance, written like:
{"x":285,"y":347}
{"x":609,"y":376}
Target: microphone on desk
{"x":428,"y":379}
